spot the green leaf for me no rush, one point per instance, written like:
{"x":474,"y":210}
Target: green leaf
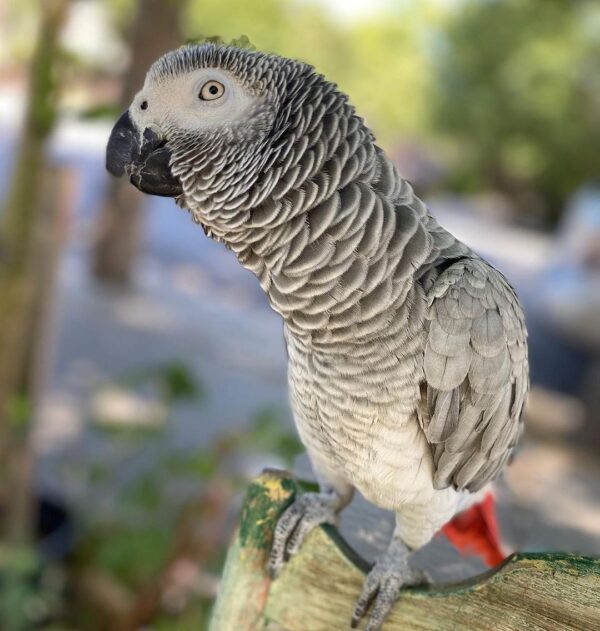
{"x":145,"y":493}
{"x":132,"y":554}
{"x":19,"y":409}
{"x":180,"y":382}
{"x":201,"y":465}
{"x":269,"y":433}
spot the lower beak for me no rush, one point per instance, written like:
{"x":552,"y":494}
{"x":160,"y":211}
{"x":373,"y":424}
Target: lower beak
{"x":145,"y":159}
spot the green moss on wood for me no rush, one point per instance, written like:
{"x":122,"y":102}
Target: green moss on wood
{"x":561,"y":562}
{"x":318,"y":587}
{"x":265,"y":499}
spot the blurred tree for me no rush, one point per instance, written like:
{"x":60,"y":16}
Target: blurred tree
{"x":518,"y":98}
{"x":155,"y":31}
{"x":380,"y":61}
{"x":22,"y":278}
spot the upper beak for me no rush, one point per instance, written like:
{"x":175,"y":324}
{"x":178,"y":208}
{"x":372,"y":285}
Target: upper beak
{"x":146,"y":160}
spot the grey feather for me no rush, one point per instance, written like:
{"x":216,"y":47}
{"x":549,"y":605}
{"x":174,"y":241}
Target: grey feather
{"x":389,"y":320}
{"x":491,"y":401}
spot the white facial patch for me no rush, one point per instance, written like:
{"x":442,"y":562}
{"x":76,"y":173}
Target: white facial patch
{"x":178,"y":101}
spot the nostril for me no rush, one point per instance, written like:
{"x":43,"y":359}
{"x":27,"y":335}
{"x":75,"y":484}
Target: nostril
{"x":144,"y":105}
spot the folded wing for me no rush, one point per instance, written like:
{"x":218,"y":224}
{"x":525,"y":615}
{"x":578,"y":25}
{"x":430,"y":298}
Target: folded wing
{"x":476,"y":374}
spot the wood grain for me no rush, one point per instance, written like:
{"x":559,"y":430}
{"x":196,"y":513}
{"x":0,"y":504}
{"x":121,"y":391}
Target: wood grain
{"x":317,"y":588}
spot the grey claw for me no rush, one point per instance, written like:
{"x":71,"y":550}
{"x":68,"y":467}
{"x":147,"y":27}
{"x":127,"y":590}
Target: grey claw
{"x":383,"y":603}
{"x":286,"y":524}
{"x":382,"y":586}
{"x":379,"y":595}
{"x":296,"y":522}
{"x":369,"y":591}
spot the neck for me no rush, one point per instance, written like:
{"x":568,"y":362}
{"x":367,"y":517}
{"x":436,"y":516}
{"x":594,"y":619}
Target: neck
{"x":335,"y":238}
{"x":336,"y":256}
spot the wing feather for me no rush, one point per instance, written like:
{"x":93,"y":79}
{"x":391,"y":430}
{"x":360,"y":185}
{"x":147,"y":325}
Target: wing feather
{"x":476,"y":374}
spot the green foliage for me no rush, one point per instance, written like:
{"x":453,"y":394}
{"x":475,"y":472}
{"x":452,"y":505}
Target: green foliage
{"x":200,"y":466}
{"x":98,"y":473}
{"x":517,"y":95}
{"x":179,"y":383}
{"x":195,"y":617}
{"x":132,"y":543}
{"x":123,"y":12}
{"x":18,"y":568}
{"x":110,"y":111}
{"x":132,"y":554}
{"x":29,"y":593}
{"x":174,"y":381}
{"x":19,"y":409}
{"x":267,"y":433}
{"x":379,"y":62}
{"x":145,"y":493}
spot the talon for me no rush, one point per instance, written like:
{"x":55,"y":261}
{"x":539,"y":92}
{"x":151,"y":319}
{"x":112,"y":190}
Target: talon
{"x":369,"y":592}
{"x":382,"y":586}
{"x":296,"y":522}
{"x":379,"y":600}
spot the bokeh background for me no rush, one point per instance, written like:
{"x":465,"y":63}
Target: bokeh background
{"x":142,"y":374}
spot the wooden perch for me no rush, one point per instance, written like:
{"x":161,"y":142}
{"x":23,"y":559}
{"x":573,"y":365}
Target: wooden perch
{"x":316,"y":590}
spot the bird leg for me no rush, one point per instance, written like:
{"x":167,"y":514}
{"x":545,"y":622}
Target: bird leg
{"x":382,"y":586}
{"x":305,"y":513}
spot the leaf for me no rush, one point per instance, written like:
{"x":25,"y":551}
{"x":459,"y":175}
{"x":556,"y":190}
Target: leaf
{"x":145,"y":493}
{"x":132,"y":554}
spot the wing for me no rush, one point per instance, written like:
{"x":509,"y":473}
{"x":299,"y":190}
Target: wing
{"x":476,"y":374}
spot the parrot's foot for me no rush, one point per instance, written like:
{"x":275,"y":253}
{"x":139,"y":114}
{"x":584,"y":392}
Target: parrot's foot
{"x":382,"y":586}
{"x":307,"y":512}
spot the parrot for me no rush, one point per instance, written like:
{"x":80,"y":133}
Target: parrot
{"x":407,"y":351}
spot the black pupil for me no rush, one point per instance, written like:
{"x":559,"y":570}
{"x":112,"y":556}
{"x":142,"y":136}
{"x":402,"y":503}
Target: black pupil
{"x":213,"y":89}
{"x":144,"y":105}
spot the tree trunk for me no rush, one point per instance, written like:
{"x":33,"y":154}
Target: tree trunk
{"x":24,"y":220}
{"x":155,"y":31}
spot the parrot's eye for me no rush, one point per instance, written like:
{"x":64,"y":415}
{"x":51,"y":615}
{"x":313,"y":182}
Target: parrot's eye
{"x":211,"y":90}
{"x":144,"y":105}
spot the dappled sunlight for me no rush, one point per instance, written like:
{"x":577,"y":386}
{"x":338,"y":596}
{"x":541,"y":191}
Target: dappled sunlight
{"x":62,"y":424}
{"x":118,"y":407}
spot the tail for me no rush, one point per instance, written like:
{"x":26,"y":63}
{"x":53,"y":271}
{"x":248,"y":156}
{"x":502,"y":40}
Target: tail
{"x":475,"y":531}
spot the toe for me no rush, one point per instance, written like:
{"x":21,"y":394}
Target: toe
{"x":298,"y":536}
{"x":285,"y":526}
{"x":384,"y":601}
{"x":369,"y":591}
{"x":293,"y":526}
{"x":312,"y":517}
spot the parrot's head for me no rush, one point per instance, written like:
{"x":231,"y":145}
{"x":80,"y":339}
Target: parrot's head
{"x":218,"y":127}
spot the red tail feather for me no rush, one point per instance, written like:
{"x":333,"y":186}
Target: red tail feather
{"x":475,"y":531}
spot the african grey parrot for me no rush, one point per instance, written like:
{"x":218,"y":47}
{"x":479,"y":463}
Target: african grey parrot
{"x":407,"y":351}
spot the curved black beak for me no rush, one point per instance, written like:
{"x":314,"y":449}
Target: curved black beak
{"x":146,"y":160}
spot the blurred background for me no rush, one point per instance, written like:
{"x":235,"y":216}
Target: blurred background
{"x":142,"y":373}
